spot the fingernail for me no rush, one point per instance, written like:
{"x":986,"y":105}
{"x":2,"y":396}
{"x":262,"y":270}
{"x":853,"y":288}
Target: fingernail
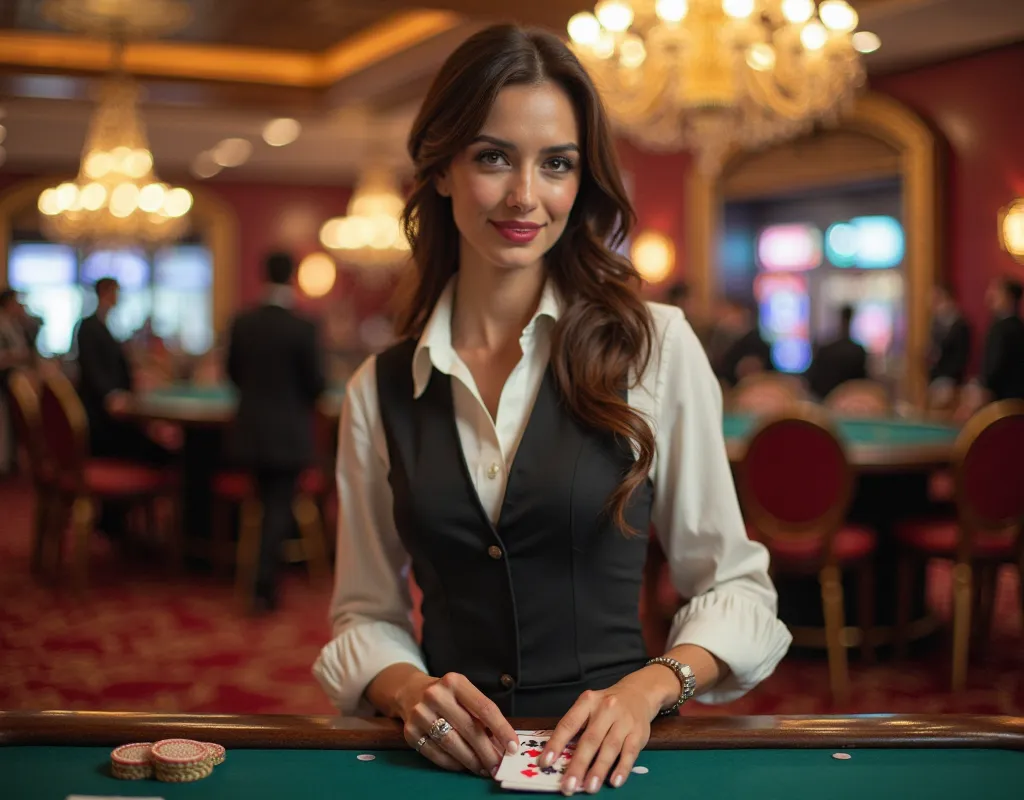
{"x":512,"y":747}
{"x":594,"y":785}
{"x":617,"y":781}
{"x":485,"y":774}
{"x":569,"y":786}
{"x":546,"y":759}
{"x":494,"y":771}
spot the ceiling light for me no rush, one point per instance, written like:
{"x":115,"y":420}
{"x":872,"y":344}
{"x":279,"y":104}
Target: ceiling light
{"x":279,"y":132}
{"x":866,"y":42}
{"x":232,"y":152}
{"x":204,"y":166}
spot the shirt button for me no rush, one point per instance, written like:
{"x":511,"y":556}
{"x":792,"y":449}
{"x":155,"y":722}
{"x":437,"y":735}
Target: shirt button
{"x":507,"y":681}
{"x":493,"y":470}
{"x":494,"y":552}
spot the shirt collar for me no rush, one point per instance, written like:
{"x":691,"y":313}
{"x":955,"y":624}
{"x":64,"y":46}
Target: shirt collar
{"x":280,"y":295}
{"x":434,"y":349}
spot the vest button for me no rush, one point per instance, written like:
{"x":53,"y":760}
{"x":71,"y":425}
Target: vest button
{"x":507,"y":681}
{"x":493,"y":470}
{"x":494,"y":552}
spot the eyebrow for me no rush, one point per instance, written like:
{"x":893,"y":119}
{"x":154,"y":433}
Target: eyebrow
{"x":555,"y":148}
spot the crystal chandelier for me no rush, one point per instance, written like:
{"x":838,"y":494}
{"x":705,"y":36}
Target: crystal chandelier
{"x":370,"y":236}
{"x":711,"y":75}
{"x":117,"y":200}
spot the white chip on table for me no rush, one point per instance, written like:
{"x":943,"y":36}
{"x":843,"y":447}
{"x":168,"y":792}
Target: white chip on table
{"x":842,"y":756}
{"x":365,"y":757}
{"x":640,"y":770}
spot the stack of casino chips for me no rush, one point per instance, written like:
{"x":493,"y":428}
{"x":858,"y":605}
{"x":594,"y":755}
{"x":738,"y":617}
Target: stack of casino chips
{"x":169,"y":760}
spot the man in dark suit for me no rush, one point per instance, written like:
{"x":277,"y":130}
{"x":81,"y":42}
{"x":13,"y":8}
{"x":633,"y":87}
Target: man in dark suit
{"x":275,"y":360}
{"x":838,"y":361}
{"x":105,"y":386}
{"x":735,"y":348}
{"x":1002,"y":365}
{"x":951,"y":340}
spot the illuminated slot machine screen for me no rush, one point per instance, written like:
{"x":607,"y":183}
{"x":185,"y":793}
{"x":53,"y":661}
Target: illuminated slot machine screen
{"x":45,"y":275}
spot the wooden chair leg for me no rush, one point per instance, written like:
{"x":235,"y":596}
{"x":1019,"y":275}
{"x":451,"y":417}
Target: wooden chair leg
{"x":866,"y":611}
{"x":220,"y":538}
{"x":82,"y":514}
{"x":904,"y":597}
{"x":307,"y":516}
{"x":962,"y":580}
{"x":832,"y":605}
{"x":45,"y":503}
{"x":988,"y":581}
{"x":248,"y":554}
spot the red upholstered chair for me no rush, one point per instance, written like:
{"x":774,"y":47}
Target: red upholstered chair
{"x":79,"y":480}
{"x":988,"y":478}
{"x":795,"y":485}
{"x":28,"y":428}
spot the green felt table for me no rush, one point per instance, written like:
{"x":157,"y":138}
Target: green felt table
{"x":52,"y":755}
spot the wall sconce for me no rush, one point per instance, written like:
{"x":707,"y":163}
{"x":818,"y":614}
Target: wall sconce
{"x":1011,"y":229}
{"x":654,"y":256}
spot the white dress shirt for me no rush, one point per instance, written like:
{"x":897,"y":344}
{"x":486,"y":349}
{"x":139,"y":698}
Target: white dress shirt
{"x":730,"y":607}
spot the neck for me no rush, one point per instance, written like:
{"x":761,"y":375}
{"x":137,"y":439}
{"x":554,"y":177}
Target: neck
{"x":493,"y":306}
{"x":102,"y":312}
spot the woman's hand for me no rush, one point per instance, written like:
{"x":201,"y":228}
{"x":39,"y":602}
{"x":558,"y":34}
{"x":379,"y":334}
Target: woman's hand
{"x":618,"y":725}
{"x":480,"y":733}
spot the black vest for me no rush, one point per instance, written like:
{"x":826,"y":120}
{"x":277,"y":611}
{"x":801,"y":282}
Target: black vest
{"x":545,"y":604}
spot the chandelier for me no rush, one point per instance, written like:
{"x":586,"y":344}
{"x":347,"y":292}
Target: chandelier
{"x":370,"y":236}
{"x":712,"y":75}
{"x":116,"y":200}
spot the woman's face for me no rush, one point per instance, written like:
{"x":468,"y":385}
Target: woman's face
{"x":513,"y":187}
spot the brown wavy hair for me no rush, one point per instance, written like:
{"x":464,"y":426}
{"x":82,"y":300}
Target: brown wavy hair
{"x":606,"y":331}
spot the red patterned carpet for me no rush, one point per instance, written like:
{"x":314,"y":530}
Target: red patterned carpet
{"x":141,"y":641}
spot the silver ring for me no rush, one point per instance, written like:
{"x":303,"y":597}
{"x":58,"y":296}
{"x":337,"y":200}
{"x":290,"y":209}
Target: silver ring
{"x":419,"y":743}
{"x":439,"y":729}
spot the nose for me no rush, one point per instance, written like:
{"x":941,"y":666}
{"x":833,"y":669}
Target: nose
{"x":521,"y":193}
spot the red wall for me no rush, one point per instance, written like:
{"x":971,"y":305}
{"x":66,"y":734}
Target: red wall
{"x":976,"y":104}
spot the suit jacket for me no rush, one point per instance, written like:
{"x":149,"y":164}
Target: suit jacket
{"x":750,"y":344}
{"x":275,"y":361}
{"x":835,"y":363}
{"x":951,"y":350}
{"x":1002,"y":366}
{"x":103,"y":368}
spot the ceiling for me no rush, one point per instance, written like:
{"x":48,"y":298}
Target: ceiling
{"x":351,"y":72}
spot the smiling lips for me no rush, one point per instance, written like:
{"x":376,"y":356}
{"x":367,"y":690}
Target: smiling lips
{"x":517,"y":231}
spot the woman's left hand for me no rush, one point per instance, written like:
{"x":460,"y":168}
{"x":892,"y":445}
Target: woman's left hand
{"x":618,"y":725}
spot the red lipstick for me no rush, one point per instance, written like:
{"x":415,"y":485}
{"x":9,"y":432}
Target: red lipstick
{"x":517,"y":231}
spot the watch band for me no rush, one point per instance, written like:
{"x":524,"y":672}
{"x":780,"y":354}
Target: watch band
{"x":687,"y":681}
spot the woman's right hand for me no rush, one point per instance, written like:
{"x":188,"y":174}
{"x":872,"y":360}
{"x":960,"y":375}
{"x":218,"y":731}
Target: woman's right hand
{"x":480,"y":734}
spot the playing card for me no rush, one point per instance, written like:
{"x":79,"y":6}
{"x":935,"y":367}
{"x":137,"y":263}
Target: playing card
{"x":523,"y":772}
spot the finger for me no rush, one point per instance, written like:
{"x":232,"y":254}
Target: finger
{"x":606,"y":757}
{"x":470,"y":729}
{"x":627,"y":758}
{"x":568,"y":726}
{"x":431,"y":752}
{"x":482,"y":708}
{"x":424,"y":716}
{"x":590,"y":742}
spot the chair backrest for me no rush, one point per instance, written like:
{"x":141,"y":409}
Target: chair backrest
{"x":765,"y":393}
{"x":65,"y":426}
{"x":795,"y":480}
{"x":988,"y":461}
{"x":859,"y":399}
{"x":28,"y":424}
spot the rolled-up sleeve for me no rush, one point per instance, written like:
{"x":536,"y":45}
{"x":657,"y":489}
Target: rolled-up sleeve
{"x":730,"y":605}
{"x":371,"y":607}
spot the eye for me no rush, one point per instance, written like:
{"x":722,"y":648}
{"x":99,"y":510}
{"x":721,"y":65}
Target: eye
{"x":491,"y":158}
{"x":561,"y":164}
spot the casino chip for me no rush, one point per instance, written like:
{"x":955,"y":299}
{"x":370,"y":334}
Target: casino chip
{"x":841,"y":756}
{"x":639,"y":770}
{"x":182,"y":760}
{"x":130,"y":762}
{"x":365,"y":757}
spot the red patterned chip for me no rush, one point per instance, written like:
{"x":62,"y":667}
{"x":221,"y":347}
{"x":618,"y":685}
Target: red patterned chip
{"x":180,"y":751}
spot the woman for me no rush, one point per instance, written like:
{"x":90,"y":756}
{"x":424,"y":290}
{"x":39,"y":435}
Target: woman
{"x":487,"y":449}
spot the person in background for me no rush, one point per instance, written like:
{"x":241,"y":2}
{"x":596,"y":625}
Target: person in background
{"x":839,"y":361}
{"x":275,"y":359}
{"x":737,"y":349}
{"x":680,"y":295}
{"x":950,"y":351}
{"x":1002,"y":363}
{"x":15,"y":338}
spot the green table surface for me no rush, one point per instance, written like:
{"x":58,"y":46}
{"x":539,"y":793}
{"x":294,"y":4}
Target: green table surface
{"x":53,"y":773}
{"x":893,"y":432}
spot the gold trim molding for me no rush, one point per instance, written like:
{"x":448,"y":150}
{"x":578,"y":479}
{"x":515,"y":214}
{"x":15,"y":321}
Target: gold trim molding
{"x":232,"y":64}
{"x":893,"y":123}
{"x":211,"y":218}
